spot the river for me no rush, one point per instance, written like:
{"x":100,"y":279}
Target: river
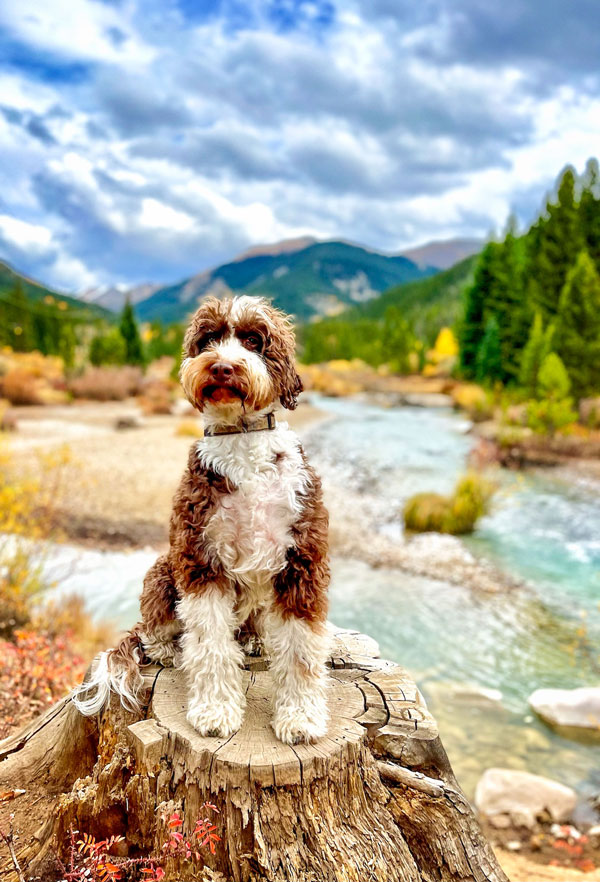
{"x":476,"y":655}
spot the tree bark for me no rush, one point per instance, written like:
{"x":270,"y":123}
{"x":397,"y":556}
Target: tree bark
{"x":375,"y":799}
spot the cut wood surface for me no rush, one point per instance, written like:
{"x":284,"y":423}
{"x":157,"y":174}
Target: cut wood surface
{"x":375,"y":799}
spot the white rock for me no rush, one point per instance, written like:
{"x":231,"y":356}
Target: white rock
{"x":523,"y":796}
{"x":578,"y":708}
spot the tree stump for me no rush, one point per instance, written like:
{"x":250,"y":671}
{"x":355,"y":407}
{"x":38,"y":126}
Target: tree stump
{"x":375,"y":799}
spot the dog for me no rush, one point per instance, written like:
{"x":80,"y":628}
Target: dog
{"x":248,"y":553}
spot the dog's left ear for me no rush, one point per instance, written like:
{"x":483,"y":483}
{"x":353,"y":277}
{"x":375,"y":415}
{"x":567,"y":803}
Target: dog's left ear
{"x":291,"y":386}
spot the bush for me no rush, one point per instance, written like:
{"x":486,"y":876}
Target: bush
{"x":475,"y":400}
{"x":27,"y":512}
{"x":555,"y":410}
{"x":547,"y":417}
{"x":107,"y":383}
{"x":31,"y":378}
{"x":108,"y":348}
{"x":456,"y":514}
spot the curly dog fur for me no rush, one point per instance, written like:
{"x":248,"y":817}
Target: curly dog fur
{"x":247,"y":559}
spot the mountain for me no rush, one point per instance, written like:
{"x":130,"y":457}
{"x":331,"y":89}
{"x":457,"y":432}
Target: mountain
{"x":286,"y":246}
{"x":35,"y":292}
{"x":113,"y":298}
{"x":428,"y":304}
{"x":445,"y":253}
{"x":322,"y":278}
{"x":371,"y":331}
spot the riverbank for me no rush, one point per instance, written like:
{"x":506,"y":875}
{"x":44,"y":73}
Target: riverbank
{"x":124,"y":470}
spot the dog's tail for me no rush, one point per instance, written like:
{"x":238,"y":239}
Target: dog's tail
{"x":117,"y":670}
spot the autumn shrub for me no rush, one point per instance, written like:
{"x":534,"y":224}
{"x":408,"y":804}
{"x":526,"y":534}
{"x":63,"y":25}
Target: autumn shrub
{"x":107,"y":383}
{"x":90,"y":860}
{"x":28,"y":508}
{"x":456,"y":514}
{"x":28,"y":378}
{"x":475,"y":400}
{"x":44,"y":646}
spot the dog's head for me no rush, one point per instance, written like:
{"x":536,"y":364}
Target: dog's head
{"x":238,"y":357}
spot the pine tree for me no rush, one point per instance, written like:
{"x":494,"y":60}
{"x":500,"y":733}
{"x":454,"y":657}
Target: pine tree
{"x":489,"y":354}
{"x":554,"y":244}
{"x":134,"y":353}
{"x":578,"y":337}
{"x":472,"y":326}
{"x":538,"y":346}
{"x":589,"y":210}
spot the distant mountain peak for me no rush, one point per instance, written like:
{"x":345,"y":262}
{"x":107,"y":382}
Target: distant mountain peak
{"x":273,"y":249}
{"x":443,"y":253}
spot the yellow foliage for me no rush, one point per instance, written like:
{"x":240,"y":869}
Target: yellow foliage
{"x":446,"y":344}
{"x":31,"y":378}
{"x":474,"y":400}
{"x":28,"y":504}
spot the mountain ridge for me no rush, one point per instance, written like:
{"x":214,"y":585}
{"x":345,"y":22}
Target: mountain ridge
{"x":221,"y":280}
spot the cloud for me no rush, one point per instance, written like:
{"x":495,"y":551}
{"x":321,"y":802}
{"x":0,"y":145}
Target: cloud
{"x":152,"y":140}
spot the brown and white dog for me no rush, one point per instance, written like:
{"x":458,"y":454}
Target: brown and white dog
{"x":248,"y":540}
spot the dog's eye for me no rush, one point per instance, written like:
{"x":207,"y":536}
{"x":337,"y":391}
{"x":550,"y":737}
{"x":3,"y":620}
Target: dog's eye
{"x":203,"y":341}
{"x":253,"y":341}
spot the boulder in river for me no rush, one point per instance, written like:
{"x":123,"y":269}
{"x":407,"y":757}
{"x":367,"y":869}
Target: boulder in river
{"x":522,"y":797}
{"x":569,"y":708}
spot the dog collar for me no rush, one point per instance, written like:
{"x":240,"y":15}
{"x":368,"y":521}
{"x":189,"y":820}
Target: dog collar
{"x":262,"y":424}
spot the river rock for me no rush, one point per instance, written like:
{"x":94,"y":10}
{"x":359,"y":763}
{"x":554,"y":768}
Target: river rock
{"x":428,"y":399}
{"x":572,"y":708}
{"x":523,"y":797}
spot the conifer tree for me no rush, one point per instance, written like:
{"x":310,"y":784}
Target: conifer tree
{"x":489,"y":355}
{"x":134,"y":352}
{"x":472,"y":326}
{"x":578,"y":337}
{"x":555,"y":242}
{"x":589,"y":210}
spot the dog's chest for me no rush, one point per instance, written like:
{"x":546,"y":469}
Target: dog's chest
{"x":250,"y":530}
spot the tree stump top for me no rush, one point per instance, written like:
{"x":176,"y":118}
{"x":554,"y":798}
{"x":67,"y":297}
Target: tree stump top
{"x":364,"y":694}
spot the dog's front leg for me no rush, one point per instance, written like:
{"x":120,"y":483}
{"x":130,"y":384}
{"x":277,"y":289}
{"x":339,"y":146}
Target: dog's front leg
{"x":298,"y":652}
{"x":212,"y":660}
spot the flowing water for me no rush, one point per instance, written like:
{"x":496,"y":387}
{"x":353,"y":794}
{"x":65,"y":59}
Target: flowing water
{"x":476,"y":656}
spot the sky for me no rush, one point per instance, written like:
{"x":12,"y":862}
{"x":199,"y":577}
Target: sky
{"x":145,"y":140}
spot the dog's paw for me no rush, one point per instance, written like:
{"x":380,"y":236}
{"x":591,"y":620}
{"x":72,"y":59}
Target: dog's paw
{"x":296,"y":725}
{"x":216,"y":720}
{"x":253,"y":647}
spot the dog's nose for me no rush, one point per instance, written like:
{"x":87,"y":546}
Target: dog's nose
{"x":221,"y":371}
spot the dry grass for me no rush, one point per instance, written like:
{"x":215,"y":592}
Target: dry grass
{"x":107,"y":383}
{"x":28,"y":378}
